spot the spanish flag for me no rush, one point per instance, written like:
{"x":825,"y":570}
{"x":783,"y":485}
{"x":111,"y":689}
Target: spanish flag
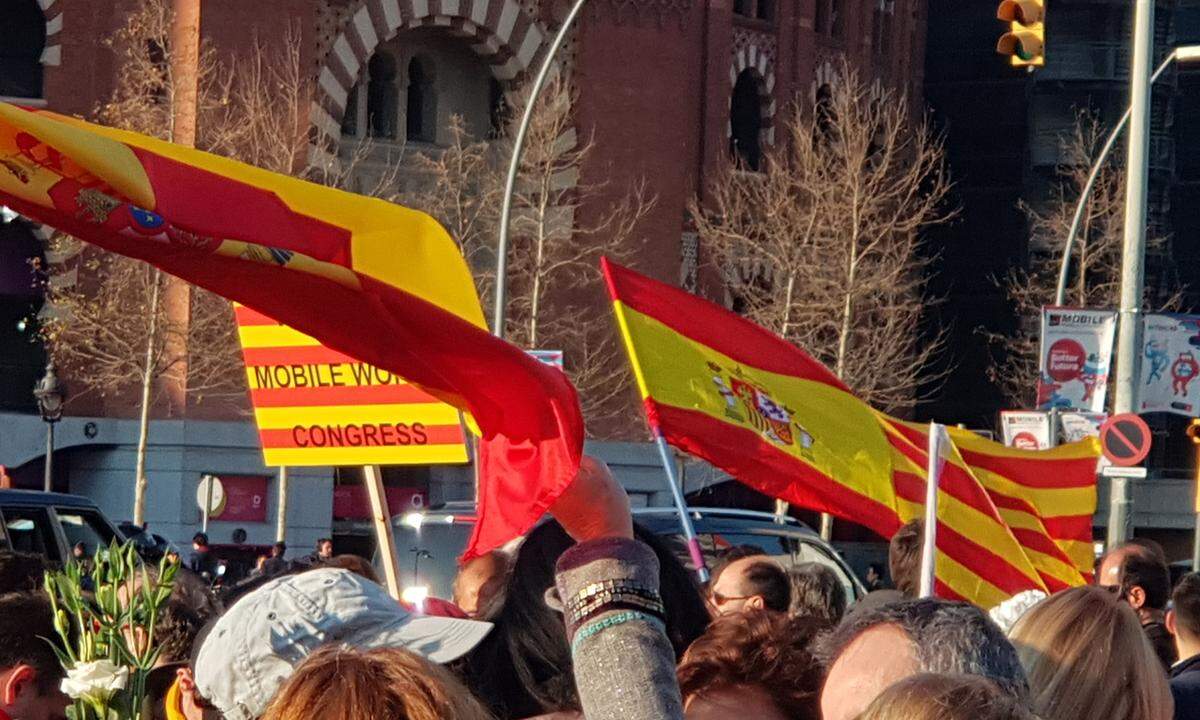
{"x":740,"y":397}
{"x":380,"y":283}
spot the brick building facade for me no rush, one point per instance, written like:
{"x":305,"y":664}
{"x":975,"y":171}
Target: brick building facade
{"x":669,"y":90}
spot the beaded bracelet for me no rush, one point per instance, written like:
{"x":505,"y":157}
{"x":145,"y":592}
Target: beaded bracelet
{"x":601,"y":602}
{"x":612,"y":621}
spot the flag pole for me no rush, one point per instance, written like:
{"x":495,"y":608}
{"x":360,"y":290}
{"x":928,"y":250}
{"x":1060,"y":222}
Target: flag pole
{"x":929,"y":543}
{"x":689,"y":532}
{"x":386,"y":540}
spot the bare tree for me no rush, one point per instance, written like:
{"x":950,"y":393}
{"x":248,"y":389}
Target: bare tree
{"x":126,"y":324}
{"x":823,"y":245}
{"x":1095,"y":257}
{"x":556,"y":239}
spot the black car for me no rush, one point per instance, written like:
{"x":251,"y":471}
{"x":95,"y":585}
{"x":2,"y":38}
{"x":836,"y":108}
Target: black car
{"x":49,"y":524}
{"x":429,"y":543}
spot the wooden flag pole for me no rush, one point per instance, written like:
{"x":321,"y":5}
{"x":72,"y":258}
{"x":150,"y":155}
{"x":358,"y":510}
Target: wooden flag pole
{"x":386,"y":541}
{"x":932,"y":479}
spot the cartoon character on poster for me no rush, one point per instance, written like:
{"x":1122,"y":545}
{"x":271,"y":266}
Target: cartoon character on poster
{"x":1183,"y":371}
{"x":1156,"y":353}
{"x":1093,"y":374}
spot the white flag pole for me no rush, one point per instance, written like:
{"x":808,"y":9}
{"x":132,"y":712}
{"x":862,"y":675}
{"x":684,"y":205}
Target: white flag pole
{"x":937,"y":438}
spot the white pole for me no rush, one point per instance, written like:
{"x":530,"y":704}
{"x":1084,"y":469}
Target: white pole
{"x":209,"y":481}
{"x":1134,"y":254}
{"x":929,"y":542}
{"x":689,"y":532}
{"x":514,"y":164}
{"x":281,"y":513}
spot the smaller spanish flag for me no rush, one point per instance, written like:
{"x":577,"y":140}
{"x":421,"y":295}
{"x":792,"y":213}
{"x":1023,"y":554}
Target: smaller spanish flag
{"x":740,"y":397}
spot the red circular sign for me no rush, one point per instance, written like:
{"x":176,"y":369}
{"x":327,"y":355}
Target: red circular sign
{"x":1026,"y":441}
{"x":1125,"y":440}
{"x":1064,"y":361}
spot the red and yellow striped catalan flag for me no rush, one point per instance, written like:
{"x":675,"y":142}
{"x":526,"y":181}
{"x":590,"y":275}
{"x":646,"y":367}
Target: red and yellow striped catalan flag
{"x":317,"y":406}
{"x":738,"y":396}
{"x":371,"y":280}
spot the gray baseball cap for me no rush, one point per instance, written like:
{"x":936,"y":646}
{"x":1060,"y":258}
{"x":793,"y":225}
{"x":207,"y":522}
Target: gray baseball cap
{"x":256,"y":645}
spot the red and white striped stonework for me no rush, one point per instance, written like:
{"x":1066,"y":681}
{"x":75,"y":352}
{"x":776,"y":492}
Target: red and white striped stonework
{"x":501,"y":31}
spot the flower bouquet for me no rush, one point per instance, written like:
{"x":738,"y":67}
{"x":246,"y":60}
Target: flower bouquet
{"x":105,"y":615}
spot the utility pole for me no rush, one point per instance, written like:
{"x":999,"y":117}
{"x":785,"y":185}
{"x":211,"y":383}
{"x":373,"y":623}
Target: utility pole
{"x":1134,"y":253}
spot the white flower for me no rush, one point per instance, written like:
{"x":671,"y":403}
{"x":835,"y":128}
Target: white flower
{"x":1007,"y":613}
{"x":97,"y":681}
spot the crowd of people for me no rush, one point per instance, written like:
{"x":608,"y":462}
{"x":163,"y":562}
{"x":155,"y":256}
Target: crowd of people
{"x":592,"y":618}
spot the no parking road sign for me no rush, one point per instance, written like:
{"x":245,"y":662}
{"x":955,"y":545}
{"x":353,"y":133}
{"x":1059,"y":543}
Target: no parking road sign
{"x":1125,"y":440}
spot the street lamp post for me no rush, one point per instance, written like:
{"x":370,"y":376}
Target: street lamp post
{"x":1133,"y":254}
{"x":514,"y":164}
{"x":50,"y":395}
{"x":1183,"y":54}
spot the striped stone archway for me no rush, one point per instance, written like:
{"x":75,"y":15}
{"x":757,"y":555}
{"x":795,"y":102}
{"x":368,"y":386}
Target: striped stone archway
{"x":501,"y":31}
{"x":751,"y":57}
{"x":53,"y":10}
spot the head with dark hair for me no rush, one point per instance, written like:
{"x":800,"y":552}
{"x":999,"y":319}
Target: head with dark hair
{"x":946,"y":697}
{"x":756,"y":665}
{"x":1183,"y":619}
{"x":1186,"y":602}
{"x":1139,"y":569}
{"x":29,"y":670}
{"x":730,"y":555}
{"x":817,"y":592}
{"x":324,"y":548}
{"x":200,"y":540}
{"x":190,"y":606}
{"x":875,"y":647}
{"x":278,"y":549}
{"x":904,"y":557}
{"x":754,"y":582}
{"x":21,"y":571}
{"x":523,"y":667}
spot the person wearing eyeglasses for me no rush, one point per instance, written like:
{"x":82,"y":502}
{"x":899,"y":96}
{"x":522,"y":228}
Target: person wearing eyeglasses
{"x":1137,"y":571}
{"x":749,"y":583}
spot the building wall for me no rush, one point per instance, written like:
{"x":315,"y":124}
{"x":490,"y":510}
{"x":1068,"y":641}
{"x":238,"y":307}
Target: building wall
{"x":654,"y":79}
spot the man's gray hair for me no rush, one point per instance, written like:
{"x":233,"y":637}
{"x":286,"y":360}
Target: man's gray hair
{"x":949,"y":637}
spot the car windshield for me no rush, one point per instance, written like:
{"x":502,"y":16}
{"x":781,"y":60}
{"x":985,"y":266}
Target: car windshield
{"x":428,"y":553}
{"x":428,"y":547}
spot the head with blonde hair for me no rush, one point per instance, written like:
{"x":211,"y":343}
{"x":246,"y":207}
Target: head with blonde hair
{"x":929,"y":696}
{"x":1086,"y":657}
{"x":340,"y":683}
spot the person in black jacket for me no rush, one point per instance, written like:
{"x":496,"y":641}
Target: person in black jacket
{"x":1137,"y":570}
{"x":1183,"y":620}
{"x":201,"y":560}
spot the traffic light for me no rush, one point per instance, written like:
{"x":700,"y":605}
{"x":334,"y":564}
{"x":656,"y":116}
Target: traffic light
{"x":1025,"y":41}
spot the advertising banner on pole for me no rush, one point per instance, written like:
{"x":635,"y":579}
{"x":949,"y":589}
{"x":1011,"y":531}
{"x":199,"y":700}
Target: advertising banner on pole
{"x":1170,"y":365}
{"x":1026,"y":429}
{"x":316,"y":406}
{"x":1076,"y":354}
{"x":1079,"y":425}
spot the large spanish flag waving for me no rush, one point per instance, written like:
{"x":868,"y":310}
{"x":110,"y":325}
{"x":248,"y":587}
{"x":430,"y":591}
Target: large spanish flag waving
{"x":738,"y":396}
{"x":378,"y":282}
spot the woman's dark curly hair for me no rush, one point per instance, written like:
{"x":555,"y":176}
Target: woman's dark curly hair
{"x":761,"y":649}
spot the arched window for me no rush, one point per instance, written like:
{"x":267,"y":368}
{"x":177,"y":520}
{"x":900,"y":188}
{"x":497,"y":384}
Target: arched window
{"x":382,"y":105}
{"x":350,"y":118}
{"x":22,"y":39}
{"x":21,"y":297}
{"x":746,"y":121}
{"x":823,"y":108}
{"x":499,"y":108}
{"x":422,"y":102}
